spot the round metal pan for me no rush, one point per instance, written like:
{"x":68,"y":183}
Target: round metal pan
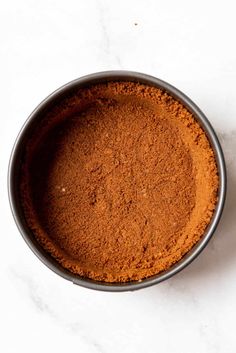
{"x":18,"y":150}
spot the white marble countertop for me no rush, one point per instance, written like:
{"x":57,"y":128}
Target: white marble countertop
{"x":47,"y":43}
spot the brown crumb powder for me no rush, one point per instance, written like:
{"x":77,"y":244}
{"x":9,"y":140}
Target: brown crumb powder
{"x":118,"y":182}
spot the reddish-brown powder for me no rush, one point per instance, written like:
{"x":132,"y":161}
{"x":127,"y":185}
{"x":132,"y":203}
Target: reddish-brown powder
{"x":118,"y":182}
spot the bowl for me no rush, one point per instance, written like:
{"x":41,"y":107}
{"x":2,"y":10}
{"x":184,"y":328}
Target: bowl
{"x":15,"y":164}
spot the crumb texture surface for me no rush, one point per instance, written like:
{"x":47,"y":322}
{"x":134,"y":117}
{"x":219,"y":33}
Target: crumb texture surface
{"x":118,"y":182}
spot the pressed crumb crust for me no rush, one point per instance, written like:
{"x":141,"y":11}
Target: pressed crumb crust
{"x":118,"y":182}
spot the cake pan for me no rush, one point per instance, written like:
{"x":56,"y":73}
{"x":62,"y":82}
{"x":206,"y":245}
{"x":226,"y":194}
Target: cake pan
{"x":15,"y":164}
